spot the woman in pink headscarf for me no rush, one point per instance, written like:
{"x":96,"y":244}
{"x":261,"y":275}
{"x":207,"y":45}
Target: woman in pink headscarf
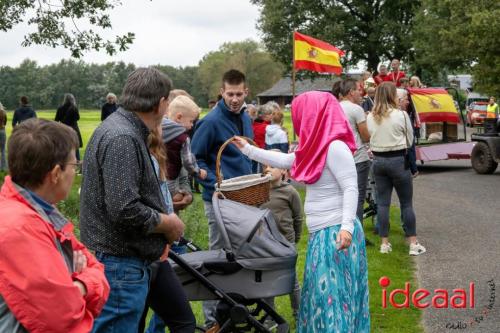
{"x":335,"y":288}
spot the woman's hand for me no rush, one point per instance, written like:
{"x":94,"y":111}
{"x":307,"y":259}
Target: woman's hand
{"x":344,"y":239}
{"x":239,"y":142}
{"x":79,"y":261}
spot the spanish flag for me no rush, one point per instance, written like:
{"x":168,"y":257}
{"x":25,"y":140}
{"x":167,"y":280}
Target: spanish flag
{"x":434,"y":105}
{"x":315,"y":55}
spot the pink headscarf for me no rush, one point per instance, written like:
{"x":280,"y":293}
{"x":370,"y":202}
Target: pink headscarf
{"x":318,"y":119}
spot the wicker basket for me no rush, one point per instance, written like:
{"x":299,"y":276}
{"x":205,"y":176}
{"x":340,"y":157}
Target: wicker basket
{"x":250,"y":190}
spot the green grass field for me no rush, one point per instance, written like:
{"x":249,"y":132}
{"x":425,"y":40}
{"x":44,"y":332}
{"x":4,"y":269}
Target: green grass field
{"x":398,"y":266}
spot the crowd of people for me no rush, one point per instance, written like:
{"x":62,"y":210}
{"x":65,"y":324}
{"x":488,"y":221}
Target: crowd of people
{"x":135,"y":181}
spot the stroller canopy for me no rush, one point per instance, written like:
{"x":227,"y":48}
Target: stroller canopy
{"x":251,"y":236}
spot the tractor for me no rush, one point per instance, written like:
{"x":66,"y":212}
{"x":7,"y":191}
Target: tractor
{"x":485,"y":155}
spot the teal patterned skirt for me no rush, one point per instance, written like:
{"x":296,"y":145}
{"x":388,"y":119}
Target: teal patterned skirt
{"x":335,"y":289}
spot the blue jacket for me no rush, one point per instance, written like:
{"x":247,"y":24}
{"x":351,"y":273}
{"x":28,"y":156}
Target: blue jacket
{"x":211,"y":132}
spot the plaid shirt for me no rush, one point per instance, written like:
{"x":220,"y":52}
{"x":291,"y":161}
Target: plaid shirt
{"x":121,"y":198}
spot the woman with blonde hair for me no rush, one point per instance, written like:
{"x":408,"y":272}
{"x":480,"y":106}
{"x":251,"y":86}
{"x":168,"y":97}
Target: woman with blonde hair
{"x":391,"y":136}
{"x":166,"y":295}
{"x":415,"y":82}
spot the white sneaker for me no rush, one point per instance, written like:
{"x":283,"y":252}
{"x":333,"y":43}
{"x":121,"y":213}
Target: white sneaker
{"x":416,"y":249}
{"x":385,"y":248}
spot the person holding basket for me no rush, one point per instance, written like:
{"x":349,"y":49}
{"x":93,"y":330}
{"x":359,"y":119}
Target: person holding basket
{"x":227,"y":119}
{"x":335,"y":288}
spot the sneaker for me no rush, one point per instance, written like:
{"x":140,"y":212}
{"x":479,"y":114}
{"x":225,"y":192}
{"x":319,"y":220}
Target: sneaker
{"x":385,"y":248}
{"x":416,"y":249}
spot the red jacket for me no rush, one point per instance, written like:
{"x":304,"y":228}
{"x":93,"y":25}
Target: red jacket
{"x":381,"y":78}
{"x":35,"y":280}
{"x":395,"y":77}
{"x":259,"y":133}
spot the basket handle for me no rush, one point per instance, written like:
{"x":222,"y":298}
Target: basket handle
{"x":218,"y":174}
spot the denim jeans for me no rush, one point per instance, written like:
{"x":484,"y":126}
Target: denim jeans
{"x":129,"y":281}
{"x":362,"y":169}
{"x":214,"y":242}
{"x":3,"y":161}
{"x":390,"y":173}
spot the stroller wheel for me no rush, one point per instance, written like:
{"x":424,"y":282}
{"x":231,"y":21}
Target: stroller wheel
{"x":238,"y":313}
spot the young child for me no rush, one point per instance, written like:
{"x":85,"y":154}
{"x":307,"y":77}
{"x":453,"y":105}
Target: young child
{"x":182,"y":112}
{"x":175,"y":310}
{"x":286,"y":206}
{"x":276,"y":137}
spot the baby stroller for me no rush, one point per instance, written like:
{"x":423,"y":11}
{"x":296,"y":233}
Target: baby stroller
{"x":256,"y":262}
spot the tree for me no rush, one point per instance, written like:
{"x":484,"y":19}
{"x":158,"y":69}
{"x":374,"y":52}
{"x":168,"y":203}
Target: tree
{"x":460,"y":35}
{"x":365,"y":30}
{"x":247,"y":56}
{"x":51,"y":19}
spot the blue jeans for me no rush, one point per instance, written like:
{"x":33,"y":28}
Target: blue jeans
{"x":129,"y":281}
{"x":390,"y":173}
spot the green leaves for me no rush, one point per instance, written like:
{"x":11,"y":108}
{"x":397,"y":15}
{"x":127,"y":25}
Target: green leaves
{"x":366,"y":30}
{"x":460,"y":35}
{"x":58,"y":24}
{"x":247,"y":56}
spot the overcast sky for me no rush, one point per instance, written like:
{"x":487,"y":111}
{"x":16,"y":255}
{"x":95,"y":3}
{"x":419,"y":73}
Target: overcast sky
{"x":167,"y":32}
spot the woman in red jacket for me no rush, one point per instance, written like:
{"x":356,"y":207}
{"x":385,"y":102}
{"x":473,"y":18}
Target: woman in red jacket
{"x":49,"y":281}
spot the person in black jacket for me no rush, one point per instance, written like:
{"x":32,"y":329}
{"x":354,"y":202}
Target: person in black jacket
{"x":25,"y":111}
{"x":68,"y":114}
{"x":109,"y":107}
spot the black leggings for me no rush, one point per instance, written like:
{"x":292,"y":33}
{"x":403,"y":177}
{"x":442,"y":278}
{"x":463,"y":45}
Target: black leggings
{"x":168,"y":300}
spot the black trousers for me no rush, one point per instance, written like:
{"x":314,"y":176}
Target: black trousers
{"x":168,"y":300}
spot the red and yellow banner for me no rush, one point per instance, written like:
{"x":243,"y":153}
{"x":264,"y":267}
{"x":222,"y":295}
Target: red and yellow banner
{"x":434,"y":105}
{"x":315,"y":55}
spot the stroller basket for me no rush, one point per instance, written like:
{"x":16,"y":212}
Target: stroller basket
{"x":256,"y":261}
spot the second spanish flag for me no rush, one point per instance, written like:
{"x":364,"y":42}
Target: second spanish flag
{"x":315,"y":55}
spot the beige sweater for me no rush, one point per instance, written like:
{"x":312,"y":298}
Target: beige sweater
{"x":389,"y":135}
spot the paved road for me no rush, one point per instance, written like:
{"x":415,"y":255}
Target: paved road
{"x":458,"y":220}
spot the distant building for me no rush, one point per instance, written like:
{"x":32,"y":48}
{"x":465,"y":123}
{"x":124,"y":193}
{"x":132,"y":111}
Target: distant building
{"x":462,"y":81}
{"x":281,"y":92}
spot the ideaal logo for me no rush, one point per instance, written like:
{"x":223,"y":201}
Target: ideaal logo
{"x":461,"y":298}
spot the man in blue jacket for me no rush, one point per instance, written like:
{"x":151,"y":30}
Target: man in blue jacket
{"x":227,"y":119}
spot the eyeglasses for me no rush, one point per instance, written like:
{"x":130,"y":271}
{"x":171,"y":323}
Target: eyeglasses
{"x":76,"y":166}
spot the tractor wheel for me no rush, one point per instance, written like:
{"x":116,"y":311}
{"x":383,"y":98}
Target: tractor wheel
{"x":481,"y":159}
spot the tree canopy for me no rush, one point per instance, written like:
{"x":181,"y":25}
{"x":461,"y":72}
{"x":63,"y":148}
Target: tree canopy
{"x":59,"y":24}
{"x":247,"y":56}
{"x":46,"y":85}
{"x":453,"y":35}
{"x":366,"y":30}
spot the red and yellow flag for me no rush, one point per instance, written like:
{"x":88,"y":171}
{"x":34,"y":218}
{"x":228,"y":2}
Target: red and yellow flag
{"x":434,"y":105}
{"x":315,"y":55}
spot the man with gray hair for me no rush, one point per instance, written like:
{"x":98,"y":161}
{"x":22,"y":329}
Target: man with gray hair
{"x":109,"y":107}
{"x":123,"y":215}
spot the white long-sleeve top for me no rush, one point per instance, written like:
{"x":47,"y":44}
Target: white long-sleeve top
{"x":333,"y":198}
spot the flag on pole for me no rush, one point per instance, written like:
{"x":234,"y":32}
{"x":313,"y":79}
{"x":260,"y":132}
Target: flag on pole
{"x":434,"y":105}
{"x":315,"y":55}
